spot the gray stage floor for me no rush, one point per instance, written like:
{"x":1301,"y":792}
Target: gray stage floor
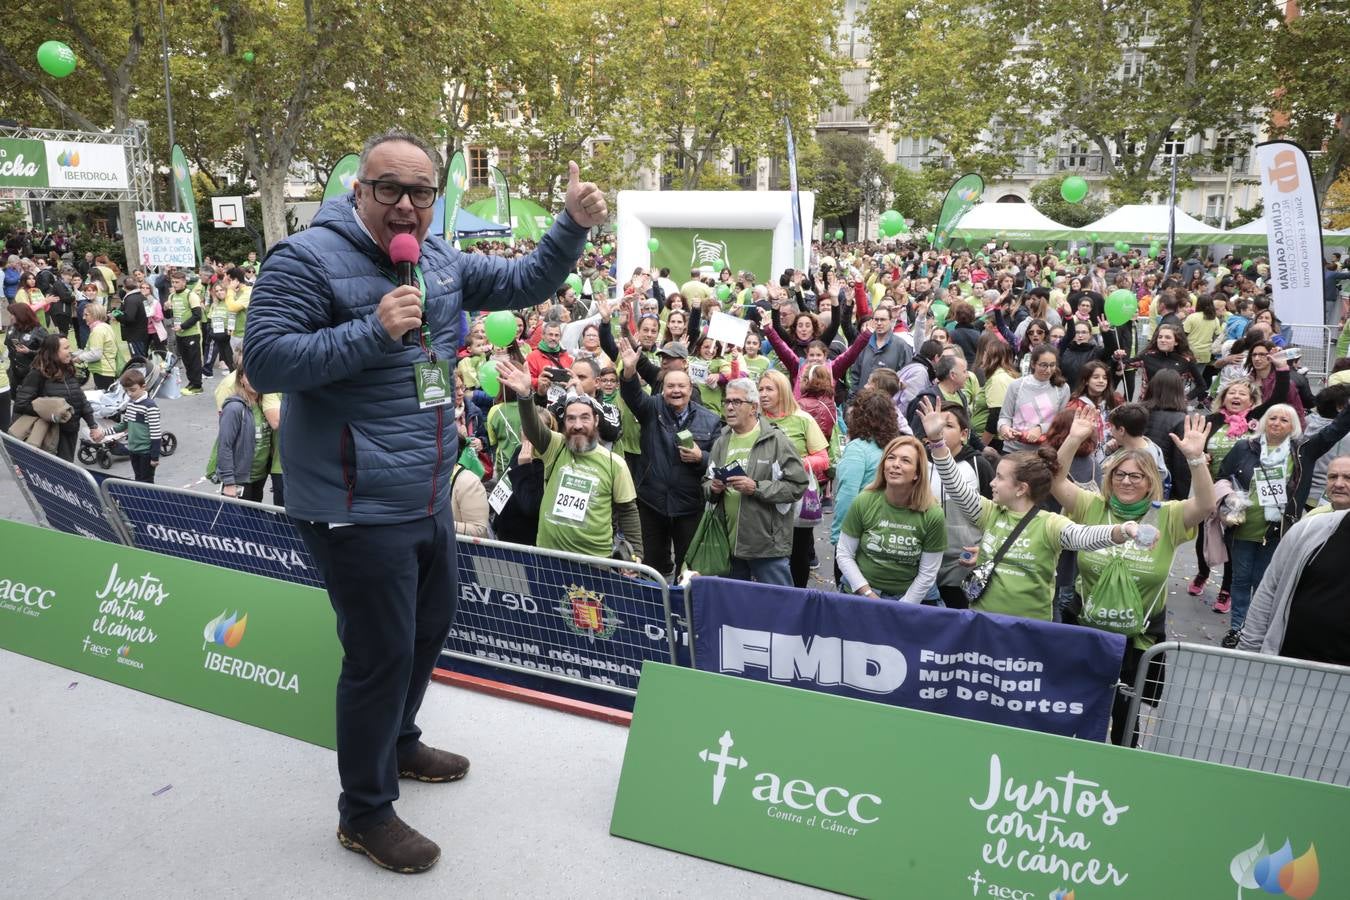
{"x":108,"y":792}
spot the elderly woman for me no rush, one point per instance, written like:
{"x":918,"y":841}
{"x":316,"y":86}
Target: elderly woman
{"x":100,"y":350}
{"x":1273,"y":471}
{"x":759,"y":500}
{"x":1131,"y":492}
{"x":894,"y":533}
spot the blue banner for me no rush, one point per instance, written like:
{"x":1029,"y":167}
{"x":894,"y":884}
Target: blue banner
{"x":798,"y":240}
{"x":69,"y":498}
{"x":1059,"y":679}
{"x":556,"y":616}
{"x":210,"y":529}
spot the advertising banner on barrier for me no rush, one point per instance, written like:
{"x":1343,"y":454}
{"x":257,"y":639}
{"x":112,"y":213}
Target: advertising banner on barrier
{"x":556,"y":616}
{"x":877,"y":801}
{"x":207,"y":529}
{"x":1058,"y":679}
{"x":69,"y":498}
{"x":253,"y":649}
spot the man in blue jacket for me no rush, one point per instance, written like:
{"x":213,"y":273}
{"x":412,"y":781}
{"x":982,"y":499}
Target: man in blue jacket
{"x":371,"y":444}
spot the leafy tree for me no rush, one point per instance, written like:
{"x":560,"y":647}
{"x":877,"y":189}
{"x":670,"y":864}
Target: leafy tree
{"x":918,"y":195}
{"x":1123,"y":76}
{"x":1046,"y":198}
{"x":849,"y":163}
{"x":1314,"y":91}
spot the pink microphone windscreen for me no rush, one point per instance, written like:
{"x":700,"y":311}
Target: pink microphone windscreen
{"x":404,"y":248}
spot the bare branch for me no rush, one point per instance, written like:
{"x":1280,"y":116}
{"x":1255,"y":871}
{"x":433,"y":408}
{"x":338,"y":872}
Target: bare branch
{"x":11,"y":65}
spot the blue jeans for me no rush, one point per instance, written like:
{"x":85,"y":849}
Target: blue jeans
{"x":1249,"y":561}
{"x":764,"y":571}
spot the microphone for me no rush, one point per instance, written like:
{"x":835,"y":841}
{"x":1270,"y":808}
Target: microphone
{"x":404,"y":252}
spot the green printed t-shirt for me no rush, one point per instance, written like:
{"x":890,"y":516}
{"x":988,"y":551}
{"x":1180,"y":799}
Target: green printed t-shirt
{"x":579,"y":497}
{"x":891,"y":539}
{"x":503,"y":428}
{"x":1023,"y":583}
{"x":1148,"y":568}
{"x":738,"y":451}
{"x":699,"y":370}
{"x":1220,"y":443}
{"x":754,"y":366}
{"x":802,"y":430}
{"x":1254,"y":527}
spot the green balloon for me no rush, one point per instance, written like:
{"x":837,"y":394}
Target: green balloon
{"x":1093,"y":237}
{"x":607,"y":249}
{"x":574,"y":282}
{"x":1153,"y":251}
{"x":839,"y":234}
{"x":500,"y":327}
{"x":487,"y":378}
{"x":1122,"y":247}
{"x":723,"y":264}
{"x":1074,"y":189}
{"x":724,"y":292}
{"x":56,"y":59}
{"x":891,"y":223}
{"x":589,"y":247}
{"x":940,"y":311}
{"x":1084,"y":252}
{"x":248,"y":56}
{"x":653,"y":244}
{"x":1121,"y":306}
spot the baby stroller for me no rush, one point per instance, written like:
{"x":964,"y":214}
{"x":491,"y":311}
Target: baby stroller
{"x":109,"y":405}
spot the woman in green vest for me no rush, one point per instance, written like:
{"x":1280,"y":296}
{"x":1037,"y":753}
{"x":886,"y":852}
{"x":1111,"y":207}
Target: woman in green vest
{"x":100,"y":350}
{"x":1022,"y":583}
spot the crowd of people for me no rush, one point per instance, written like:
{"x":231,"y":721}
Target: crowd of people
{"x":921,"y":405}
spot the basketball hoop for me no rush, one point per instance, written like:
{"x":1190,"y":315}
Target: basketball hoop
{"x":222,"y":223}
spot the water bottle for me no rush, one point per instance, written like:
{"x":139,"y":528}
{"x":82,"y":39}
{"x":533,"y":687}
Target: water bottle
{"x":1148,"y":533}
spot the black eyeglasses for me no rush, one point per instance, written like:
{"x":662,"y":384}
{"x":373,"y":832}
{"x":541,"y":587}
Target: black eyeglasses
{"x":391,"y":192}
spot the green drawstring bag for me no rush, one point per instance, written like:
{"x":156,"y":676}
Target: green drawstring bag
{"x":710,"y":550}
{"x":1114,"y":603}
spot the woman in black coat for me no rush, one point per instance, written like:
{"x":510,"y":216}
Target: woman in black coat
{"x":53,"y":375}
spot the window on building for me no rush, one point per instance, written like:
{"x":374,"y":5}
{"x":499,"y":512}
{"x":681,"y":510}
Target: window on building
{"x":672,"y":169}
{"x":743,"y":167}
{"x":478,"y":166}
{"x":1131,"y":70}
{"x":1231,"y":151}
{"x":1214,"y":207}
{"x":1075,"y":155}
{"x":506,"y":161}
{"x":912,"y":153}
{"x":1173,"y":146}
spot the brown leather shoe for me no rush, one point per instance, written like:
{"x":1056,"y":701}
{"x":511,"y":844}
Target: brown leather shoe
{"x":393,"y":844}
{"x":432,"y":765}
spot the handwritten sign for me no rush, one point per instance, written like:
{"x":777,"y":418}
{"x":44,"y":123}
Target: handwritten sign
{"x":166,"y":239}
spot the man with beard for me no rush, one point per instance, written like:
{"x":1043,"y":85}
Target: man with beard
{"x":585,"y":380}
{"x":587,"y":489}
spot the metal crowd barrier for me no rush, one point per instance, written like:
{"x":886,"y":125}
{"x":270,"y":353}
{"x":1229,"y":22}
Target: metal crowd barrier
{"x":1269,"y":713}
{"x":1318,"y":343}
{"x":61,"y":496}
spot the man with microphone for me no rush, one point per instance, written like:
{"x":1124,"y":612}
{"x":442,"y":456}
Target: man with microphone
{"x":364,"y":362}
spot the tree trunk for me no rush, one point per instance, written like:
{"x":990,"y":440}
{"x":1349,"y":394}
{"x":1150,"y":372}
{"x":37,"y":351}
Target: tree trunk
{"x":126,"y":213}
{"x":272,"y":190}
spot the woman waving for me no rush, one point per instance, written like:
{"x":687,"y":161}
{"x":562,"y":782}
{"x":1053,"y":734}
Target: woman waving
{"x":1024,"y":554}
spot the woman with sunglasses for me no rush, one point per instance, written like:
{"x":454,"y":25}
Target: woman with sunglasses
{"x":1131,"y":491}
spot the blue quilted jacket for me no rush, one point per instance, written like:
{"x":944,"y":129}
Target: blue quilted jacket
{"x":357,"y":448}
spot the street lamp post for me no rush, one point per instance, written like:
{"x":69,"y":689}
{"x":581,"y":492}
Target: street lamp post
{"x":168,"y":93}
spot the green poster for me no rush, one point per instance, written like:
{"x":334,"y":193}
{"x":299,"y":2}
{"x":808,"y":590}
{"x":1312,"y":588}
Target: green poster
{"x":23,"y":163}
{"x":501,"y":193}
{"x":880,"y":801}
{"x":249,"y":648}
{"x":964,"y":194}
{"x":182,"y":179}
{"x":341,"y":178}
{"x":744,"y":250}
{"x":456,"y":183}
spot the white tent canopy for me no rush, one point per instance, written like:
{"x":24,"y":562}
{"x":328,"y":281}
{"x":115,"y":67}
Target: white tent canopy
{"x":1009,"y":222}
{"x":1139,"y":223}
{"x":1253,"y":234}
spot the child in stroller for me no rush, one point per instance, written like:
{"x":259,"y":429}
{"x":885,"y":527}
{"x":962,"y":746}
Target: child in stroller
{"x":109,"y":406}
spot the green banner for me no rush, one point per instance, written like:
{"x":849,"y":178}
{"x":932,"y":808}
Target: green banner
{"x":182,"y":179}
{"x":880,"y":801}
{"x":962,"y":196}
{"x":253,"y":649}
{"x":529,"y":221}
{"x":501,"y":194}
{"x":23,"y":163}
{"x":456,"y":183}
{"x":744,"y":250}
{"x":341,"y":178}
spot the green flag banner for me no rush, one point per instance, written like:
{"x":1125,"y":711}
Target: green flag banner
{"x":744,"y":250}
{"x":182,"y":179}
{"x":501,"y":196}
{"x":249,"y":648}
{"x":881,"y":801}
{"x":456,"y":183}
{"x":341,"y":178}
{"x":960,"y":198}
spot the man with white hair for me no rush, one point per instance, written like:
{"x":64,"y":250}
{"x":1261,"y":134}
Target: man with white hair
{"x":757,"y":476}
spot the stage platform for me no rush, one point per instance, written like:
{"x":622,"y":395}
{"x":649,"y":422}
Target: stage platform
{"x":107,"y":792}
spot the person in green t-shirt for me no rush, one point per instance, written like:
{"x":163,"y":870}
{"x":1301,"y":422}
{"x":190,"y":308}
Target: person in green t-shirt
{"x":1022,"y":584}
{"x":894,"y":533}
{"x":1132,"y":489}
{"x":588,"y":490}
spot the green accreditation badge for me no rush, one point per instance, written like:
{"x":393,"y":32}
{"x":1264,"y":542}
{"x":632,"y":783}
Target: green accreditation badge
{"x":434,"y":387}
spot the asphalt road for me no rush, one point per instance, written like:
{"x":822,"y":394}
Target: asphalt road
{"x":193,"y":420}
